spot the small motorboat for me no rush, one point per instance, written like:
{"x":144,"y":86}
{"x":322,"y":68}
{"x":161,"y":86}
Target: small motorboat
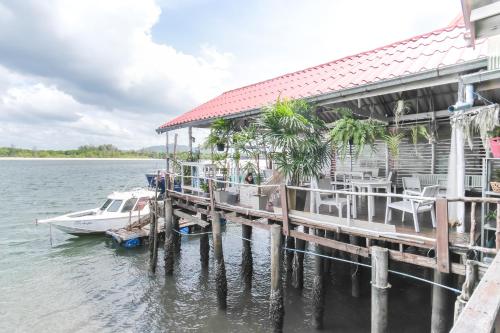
{"x":119,"y":210}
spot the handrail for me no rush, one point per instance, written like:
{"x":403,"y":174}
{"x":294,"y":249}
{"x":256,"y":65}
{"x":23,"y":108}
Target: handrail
{"x":377,"y":194}
{"x":481,"y":313}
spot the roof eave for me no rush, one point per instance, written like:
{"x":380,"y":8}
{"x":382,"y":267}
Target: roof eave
{"x":438,"y":76}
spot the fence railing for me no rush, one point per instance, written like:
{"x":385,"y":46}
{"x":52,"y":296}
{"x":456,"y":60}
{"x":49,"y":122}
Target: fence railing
{"x":281,"y":202}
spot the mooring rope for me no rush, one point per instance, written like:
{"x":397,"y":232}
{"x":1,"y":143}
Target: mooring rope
{"x":369,"y":266}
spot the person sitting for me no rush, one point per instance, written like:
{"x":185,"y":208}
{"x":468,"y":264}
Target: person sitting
{"x":249,"y":179}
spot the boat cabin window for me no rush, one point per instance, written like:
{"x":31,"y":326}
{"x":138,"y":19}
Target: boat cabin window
{"x":115,"y":206}
{"x":106,"y":204}
{"x":129,"y":204}
{"x":141,"y":203}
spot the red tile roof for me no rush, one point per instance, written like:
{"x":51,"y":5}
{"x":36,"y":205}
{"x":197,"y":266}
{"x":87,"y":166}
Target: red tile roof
{"x":443,"y":47}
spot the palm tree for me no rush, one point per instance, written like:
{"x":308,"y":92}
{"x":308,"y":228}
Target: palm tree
{"x":298,"y":136}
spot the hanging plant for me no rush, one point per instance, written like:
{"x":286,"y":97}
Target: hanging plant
{"x":417,"y":131}
{"x":349,"y":132}
{"x":400,"y":107}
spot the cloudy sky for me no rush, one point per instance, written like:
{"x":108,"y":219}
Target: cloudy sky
{"x":111,"y":71}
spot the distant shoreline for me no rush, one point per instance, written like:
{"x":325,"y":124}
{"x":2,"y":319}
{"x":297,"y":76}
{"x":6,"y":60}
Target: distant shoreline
{"x":78,"y":159}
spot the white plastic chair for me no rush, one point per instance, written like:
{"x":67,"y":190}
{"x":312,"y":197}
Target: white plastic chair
{"x":411,"y":186}
{"x":416,"y":206}
{"x":335,"y":201}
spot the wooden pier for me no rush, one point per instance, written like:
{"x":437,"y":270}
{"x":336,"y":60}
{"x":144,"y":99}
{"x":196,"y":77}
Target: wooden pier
{"x":441,"y":250}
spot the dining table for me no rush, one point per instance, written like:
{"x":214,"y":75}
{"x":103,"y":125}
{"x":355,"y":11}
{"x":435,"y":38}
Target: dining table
{"x":369,"y":185}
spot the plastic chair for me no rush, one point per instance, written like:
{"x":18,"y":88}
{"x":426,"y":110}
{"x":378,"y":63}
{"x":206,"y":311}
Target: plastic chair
{"x":416,"y":206}
{"x":411,"y":186}
{"x":327,"y":200}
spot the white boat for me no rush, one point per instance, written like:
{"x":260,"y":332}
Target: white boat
{"x":119,"y":210}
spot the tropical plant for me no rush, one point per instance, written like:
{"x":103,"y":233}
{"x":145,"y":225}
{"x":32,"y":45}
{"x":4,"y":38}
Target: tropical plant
{"x":298,"y":137}
{"x":349,"y":133}
{"x":417,"y":131}
{"x":221,"y":132}
{"x":393,"y":139}
{"x":251,"y":142}
{"x":204,"y":187}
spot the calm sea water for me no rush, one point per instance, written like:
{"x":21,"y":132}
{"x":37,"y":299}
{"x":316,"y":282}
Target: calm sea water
{"x":87,"y":284}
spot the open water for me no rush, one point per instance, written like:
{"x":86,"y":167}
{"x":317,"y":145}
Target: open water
{"x":88,"y":284}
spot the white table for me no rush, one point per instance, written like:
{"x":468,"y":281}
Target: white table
{"x":370,"y":185}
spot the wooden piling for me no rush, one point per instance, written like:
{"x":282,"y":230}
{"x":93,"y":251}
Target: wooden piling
{"x":204,"y":245}
{"x":290,"y":244}
{"x":276,"y":307}
{"x":246,"y":256}
{"x":318,"y":298}
{"x":176,"y":234}
{"x":153,"y":239}
{"x":355,"y":289}
{"x":169,"y":246}
{"x":380,"y":289}
{"x":467,"y":288}
{"x":298,"y":262}
{"x":220,"y":268}
{"x":439,"y":322}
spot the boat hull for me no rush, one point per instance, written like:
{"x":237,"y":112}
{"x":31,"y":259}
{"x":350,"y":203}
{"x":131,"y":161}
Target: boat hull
{"x":89,"y":227}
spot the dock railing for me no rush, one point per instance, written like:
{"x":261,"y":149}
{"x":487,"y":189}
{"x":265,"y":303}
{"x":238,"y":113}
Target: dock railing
{"x":280,"y":204}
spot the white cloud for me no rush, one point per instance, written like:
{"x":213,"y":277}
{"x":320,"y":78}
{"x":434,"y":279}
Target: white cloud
{"x":93,"y":65}
{"x":89,"y":72}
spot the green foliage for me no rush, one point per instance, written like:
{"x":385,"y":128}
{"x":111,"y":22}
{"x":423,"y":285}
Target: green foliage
{"x":417,"y":131}
{"x":393,"y":140}
{"x":297,"y":135}
{"x":491,"y":215}
{"x":494,"y":133}
{"x":349,"y":131}
{"x":88,"y":151}
{"x":204,"y":186}
{"x":221,"y":132}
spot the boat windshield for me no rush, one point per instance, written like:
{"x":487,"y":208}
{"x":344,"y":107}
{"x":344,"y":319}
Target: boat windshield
{"x":141,"y":204}
{"x":106,"y":204}
{"x":115,"y":206}
{"x":129,"y":204}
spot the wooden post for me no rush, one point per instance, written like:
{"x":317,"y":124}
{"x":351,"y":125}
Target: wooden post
{"x":246,"y":256}
{"x":284,"y":209}
{"x":276,"y":307}
{"x":355,"y":290}
{"x":467,"y":288}
{"x":497,"y":232}
{"x":220,"y":268}
{"x":190,"y":134}
{"x":298,"y":262}
{"x":318,"y":297}
{"x":380,"y":289}
{"x":440,"y":302}
{"x":169,"y":239}
{"x":167,"y":151}
{"x":152,"y":241}
{"x":204,"y":245}
{"x":176,"y":234}
{"x":290,"y":244}
{"x":442,"y":243}
{"x":472,"y":240}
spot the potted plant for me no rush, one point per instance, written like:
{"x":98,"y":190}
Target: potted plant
{"x":221,"y":131}
{"x":301,"y":147}
{"x":205,"y":189}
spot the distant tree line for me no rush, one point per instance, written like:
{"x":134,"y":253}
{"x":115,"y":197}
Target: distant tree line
{"x":88,"y":151}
